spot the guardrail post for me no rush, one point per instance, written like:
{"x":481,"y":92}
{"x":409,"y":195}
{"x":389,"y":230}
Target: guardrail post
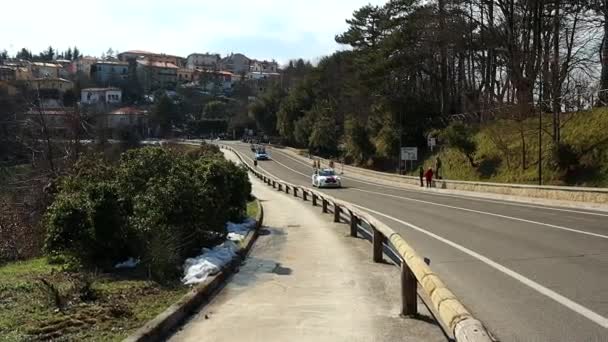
{"x":354,"y":222}
{"x":274,"y":184}
{"x":295,"y":192}
{"x":324,"y":206}
{"x":377,"y":241}
{"x":409,"y":285}
{"x":304,"y":195}
{"x":336,"y":213}
{"x":280,"y":187}
{"x":314,"y":200}
{"x":286,"y":189}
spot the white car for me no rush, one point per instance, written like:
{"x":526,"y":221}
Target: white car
{"x":326,"y":178}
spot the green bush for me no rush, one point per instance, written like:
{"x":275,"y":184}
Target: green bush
{"x":156,"y":204}
{"x":461,"y":137}
{"x":89,"y":225}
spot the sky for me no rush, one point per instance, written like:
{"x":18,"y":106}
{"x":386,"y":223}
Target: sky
{"x":261,"y":29}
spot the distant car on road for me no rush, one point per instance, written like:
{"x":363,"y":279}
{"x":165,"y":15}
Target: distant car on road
{"x":261,"y":155}
{"x":326,"y":178}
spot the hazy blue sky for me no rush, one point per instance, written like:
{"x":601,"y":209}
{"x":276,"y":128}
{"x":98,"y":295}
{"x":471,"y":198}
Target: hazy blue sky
{"x":264,"y":29}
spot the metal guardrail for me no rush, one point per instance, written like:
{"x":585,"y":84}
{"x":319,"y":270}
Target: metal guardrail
{"x":414,"y":269}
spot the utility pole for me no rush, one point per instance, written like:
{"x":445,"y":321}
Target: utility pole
{"x":540,"y":146}
{"x":400,"y":143}
{"x":540,"y":134}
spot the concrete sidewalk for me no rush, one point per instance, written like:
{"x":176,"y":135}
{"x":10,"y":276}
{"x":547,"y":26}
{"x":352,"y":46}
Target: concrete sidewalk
{"x":306,"y":280}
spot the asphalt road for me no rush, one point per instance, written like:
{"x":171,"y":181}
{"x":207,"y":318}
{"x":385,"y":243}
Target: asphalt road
{"x":529,"y":272}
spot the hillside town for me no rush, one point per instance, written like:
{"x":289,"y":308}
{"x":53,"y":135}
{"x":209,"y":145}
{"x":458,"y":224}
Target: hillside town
{"x":115,"y":92}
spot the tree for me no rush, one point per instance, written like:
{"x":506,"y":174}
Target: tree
{"x":163,"y":115}
{"x":110,"y":54}
{"x":76,"y":53}
{"x":358,"y":146}
{"x":48,"y":55}
{"x":264,"y":109}
{"x":3,"y":56}
{"x":366,"y":28}
{"x":459,"y":137}
{"x":68,"y":54}
{"x":24,"y":54}
{"x":323,"y":137}
{"x":215,"y":110}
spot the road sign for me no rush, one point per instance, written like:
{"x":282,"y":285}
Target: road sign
{"x":432,"y":142}
{"x":409,"y":153}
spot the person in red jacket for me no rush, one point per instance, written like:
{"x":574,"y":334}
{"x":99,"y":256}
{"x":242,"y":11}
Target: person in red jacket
{"x":429,"y":177}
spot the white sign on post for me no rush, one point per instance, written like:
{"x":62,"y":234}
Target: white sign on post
{"x":409,"y":153}
{"x":432,"y":142}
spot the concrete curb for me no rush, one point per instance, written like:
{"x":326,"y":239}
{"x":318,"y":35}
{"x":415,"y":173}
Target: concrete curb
{"x":561,"y":196}
{"x":159,"y":327}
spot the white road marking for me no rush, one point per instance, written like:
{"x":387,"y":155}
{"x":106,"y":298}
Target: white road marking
{"x":585,"y":312}
{"x":591,"y":315}
{"x":466,"y":209}
{"x":457,"y":196}
{"x":488,"y":213}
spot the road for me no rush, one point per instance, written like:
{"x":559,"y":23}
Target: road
{"x":529,"y":272}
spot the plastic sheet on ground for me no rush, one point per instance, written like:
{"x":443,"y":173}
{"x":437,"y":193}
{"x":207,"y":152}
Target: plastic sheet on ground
{"x":238,"y":231}
{"x":129,"y":263}
{"x":211,"y":261}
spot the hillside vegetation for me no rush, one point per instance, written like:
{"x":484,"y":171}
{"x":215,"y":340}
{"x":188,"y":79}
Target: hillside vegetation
{"x":582,"y":158}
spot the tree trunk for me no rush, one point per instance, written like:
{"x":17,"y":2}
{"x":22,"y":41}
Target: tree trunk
{"x":604,"y":57}
{"x":443,"y":58}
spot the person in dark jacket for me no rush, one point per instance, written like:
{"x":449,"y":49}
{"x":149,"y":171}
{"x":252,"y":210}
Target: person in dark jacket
{"x":429,"y":177}
{"x":421,"y":177}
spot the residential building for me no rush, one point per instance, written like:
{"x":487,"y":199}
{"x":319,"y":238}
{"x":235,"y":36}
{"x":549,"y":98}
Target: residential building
{"x":61,"y":85}
{"x":106,"y":72}
{"x":152,"y":57}
{"x":203,"y":61}
{"x":40,"y":69}
{"x":58,"y":121}
{"x":16,"y":71}
{"x":210,"y":79}
{"x":8,"y":73}
{"x":185,"y":75}
{"x":91,"y":96}
{"x":127,"y":118}
{"x":84,"y":64}
{"x":236,"y":64}
{"x":67,"y":68}
{"x":264,"y":66}
{"x":256,"y":75}
{"x":156,"y":75}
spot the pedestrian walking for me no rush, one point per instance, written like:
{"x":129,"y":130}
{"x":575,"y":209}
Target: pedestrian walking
{"x":421,"y":171}
{"x":438,"y":168}
{"x":429,"y":177}
{"x":331,"y":164}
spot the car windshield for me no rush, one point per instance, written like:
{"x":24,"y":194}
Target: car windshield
{"x":327,"y":173}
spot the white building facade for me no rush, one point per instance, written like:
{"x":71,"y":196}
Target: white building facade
{"x":91,"y":96}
